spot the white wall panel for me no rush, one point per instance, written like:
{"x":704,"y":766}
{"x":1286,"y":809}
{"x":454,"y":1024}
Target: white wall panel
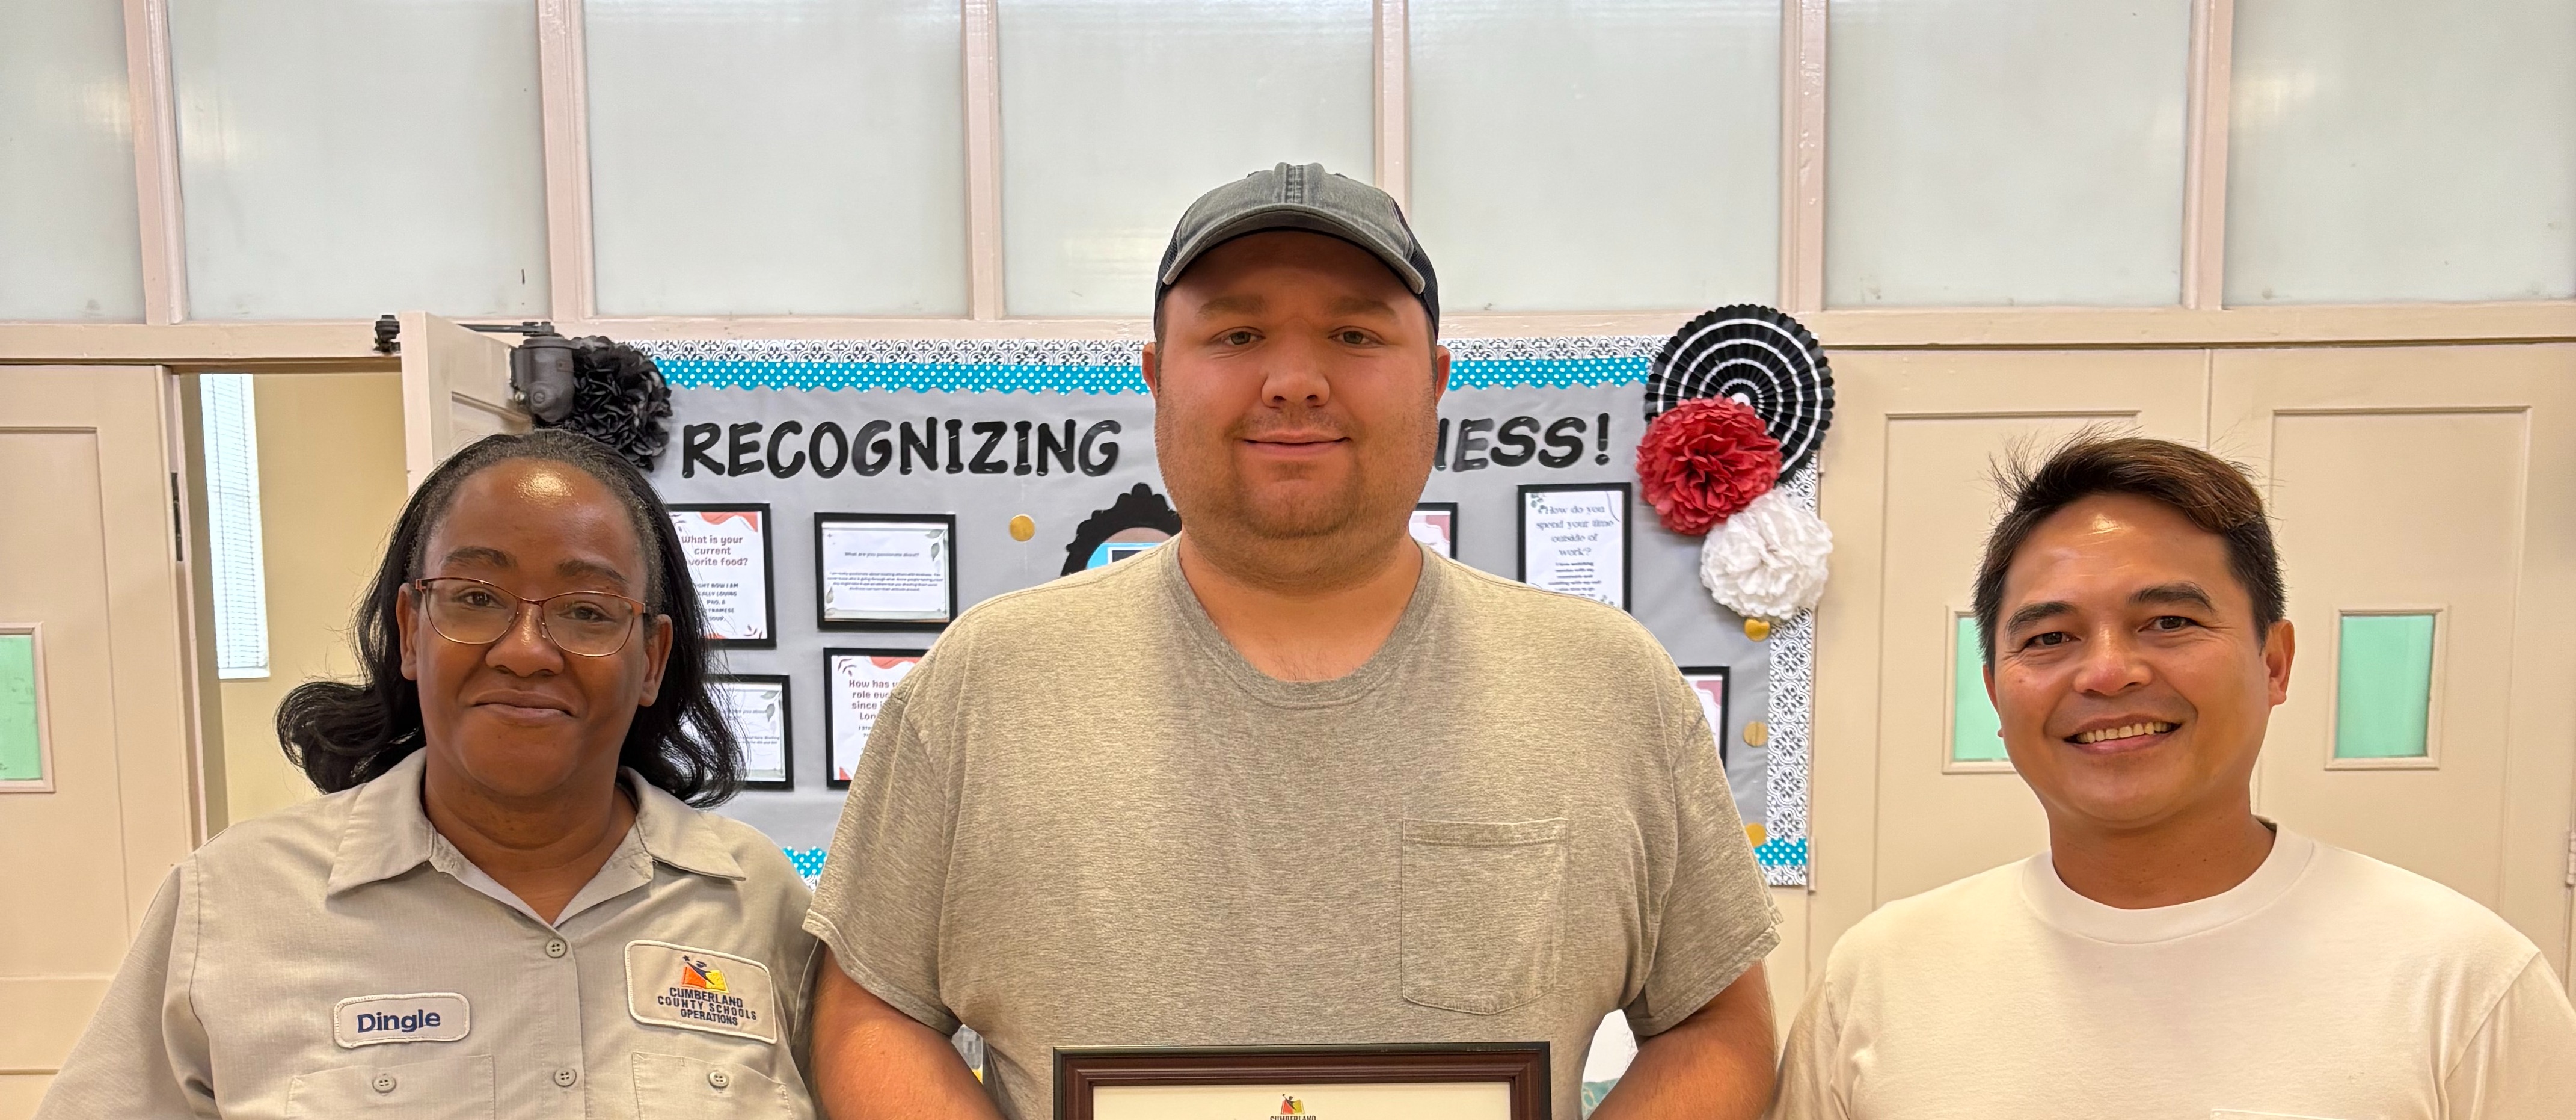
{"x":1988,"y":152}
{"x":70,"y":245}
{"x":797,"y":157}
{"x":2399,"y":150}
{"x":1597,"y":155}
{"x":340,"y":159}
{"x":1117,"y":113}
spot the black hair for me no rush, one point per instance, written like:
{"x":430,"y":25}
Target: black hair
{"x":345,"y":734}
{"x":2211,"y":492}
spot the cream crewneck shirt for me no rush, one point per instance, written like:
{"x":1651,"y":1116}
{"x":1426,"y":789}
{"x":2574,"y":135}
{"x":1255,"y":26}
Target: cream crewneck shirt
{"x":2326,"y":986}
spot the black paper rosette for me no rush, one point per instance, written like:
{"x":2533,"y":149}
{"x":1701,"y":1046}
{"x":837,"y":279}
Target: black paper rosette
{"x":619,"y":399}
{"x":1756,"y":355}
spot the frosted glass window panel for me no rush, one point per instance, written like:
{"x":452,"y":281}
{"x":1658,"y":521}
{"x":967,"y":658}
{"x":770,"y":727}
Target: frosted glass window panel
{"x":70,"y":246}
{"x":340,"y":159}
{"x":2005,"y":152}
{"x":1117,"y":113}
{"x":2398,"y":150}
{"x":793,"y":157}
{"x":1578,"y":155}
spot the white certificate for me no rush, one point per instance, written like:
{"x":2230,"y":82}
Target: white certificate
{"x":1466,"y":1100}
{"x":861,"y":679}
{"x":1436,"y":524}
{"x":1574,"y":539}
{"x":756,"y":708}
{"x":886,"y":570}
{"x":728,"y":551}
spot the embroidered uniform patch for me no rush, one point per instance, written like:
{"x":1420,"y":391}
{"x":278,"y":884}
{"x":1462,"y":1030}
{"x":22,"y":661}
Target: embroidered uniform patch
{"x":418,"y":1017}
{"x":700,"y":990}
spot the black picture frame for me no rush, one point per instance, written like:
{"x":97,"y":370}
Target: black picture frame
{"x":768,"y":568}
{"x":822,"y":622}
{"x":1450,"y":508}
{"x":1627,"y":529}
{"x":786,"y":720}
{"x":1725,"y":702}
{"x":831,"y":707}
{"x":1521,"y":1065}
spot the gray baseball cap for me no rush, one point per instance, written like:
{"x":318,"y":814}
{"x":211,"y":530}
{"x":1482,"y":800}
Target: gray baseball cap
{"x":1310,"y":198}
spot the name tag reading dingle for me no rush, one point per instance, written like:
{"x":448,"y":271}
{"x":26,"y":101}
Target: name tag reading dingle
{"x":418,"y":1017}
{"x":699,"y":990}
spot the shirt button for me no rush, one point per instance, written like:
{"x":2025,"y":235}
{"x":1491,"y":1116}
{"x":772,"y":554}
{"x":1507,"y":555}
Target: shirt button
{"x":384,"y":1083}
{"x":718,"y":1078}
{"x":565,"y":1078}
{"x":556,"y":947}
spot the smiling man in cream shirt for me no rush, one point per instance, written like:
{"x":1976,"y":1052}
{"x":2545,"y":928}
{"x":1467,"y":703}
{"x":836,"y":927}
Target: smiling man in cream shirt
{"x":2172,"y":955}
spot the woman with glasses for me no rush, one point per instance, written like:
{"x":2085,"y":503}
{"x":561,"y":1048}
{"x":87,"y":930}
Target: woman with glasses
{"x":507,"y":905}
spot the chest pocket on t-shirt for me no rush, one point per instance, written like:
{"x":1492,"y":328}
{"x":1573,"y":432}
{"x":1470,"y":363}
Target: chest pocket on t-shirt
{"x":453,"y":1087}
{"x":1483,"y":912}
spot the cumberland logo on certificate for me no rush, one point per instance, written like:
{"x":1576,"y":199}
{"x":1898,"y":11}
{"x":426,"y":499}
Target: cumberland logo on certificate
{"x":1470,"y":1081}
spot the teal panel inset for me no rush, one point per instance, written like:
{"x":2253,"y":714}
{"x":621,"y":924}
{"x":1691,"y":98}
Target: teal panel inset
{"x":22,"y":753}
{"x":2384,"y":686}
{"x":1976,"y":732}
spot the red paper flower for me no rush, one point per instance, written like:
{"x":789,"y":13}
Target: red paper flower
{"x":1703,"y":461}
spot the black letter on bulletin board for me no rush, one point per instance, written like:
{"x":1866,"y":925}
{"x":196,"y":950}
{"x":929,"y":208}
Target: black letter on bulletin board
{"x":1566,"y":436}
{"x":1061,"y":449}
{"x":695,"y":441}
{"x":742,"y":446}
{"x":777,"y":439}
{"x":871,"y":450}
{"x":1471,"y":442}
{"x":839,"y":443}
{"x":1512,"y":443}
{"x":992,"y":431}
{"x":927,"y":443}
{"x":1108,"y":448}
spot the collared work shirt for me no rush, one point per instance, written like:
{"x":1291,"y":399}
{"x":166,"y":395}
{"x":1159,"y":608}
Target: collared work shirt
{"x":340,"y":958}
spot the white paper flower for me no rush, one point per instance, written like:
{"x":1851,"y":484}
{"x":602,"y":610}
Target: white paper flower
{"x":1768,"y":561}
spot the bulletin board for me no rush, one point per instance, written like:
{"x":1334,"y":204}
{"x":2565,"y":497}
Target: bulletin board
{"x":1040,"y":454}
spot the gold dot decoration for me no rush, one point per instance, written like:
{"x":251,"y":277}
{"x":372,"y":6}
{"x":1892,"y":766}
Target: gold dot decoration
{"x":1755,"y":834}
{"x":1757,"y":628}
{"x":1022,"y":528}
{"x":1756,"y":733}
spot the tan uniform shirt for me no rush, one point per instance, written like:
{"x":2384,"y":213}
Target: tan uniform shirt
{"x":340,"y":958}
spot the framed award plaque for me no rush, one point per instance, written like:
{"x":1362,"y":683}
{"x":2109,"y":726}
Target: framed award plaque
{"x":1466,"y":1081}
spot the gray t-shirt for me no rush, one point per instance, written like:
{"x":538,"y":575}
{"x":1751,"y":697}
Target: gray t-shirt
{"x":1085,"y":820}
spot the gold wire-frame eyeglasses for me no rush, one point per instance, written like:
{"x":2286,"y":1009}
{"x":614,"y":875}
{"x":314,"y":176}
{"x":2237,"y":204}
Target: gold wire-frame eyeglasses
{"x":472,"y":612}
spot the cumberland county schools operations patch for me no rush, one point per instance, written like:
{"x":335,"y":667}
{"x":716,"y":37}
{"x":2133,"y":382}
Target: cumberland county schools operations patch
{"x":698,"y":990}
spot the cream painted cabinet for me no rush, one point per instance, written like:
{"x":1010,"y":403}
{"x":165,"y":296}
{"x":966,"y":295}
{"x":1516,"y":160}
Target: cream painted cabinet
{"x":1908,"y":489}
{"x":2425,"y":500}
{"x":89,"y":563}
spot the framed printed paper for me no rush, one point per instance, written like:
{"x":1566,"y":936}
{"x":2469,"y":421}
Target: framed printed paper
{"x":729,"y":561}
{"x":885,"y":571}
{"x":1574,"y":539}
{"x":1436,"y":524}
{"x":757,"y":708}
{"x":858,"y":682}
{"x":1709,"y":683}
{"x":1473,"y":1081}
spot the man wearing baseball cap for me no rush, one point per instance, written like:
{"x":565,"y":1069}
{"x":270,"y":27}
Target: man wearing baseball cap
{"x":1292,"y":779}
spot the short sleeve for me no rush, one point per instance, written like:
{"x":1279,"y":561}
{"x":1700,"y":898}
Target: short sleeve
{"x":1714,"y":919}
{"x":2517,"y":1064}
{"x":885,"y":881}
{"x":144,"y":1054}
{"x":1811,"y":1067}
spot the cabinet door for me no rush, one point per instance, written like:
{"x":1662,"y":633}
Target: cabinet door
{"x":2425,"y":499}
{"x":93,"y":585}
{"x":456,"y":389}
{"x":1908,"y":490}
